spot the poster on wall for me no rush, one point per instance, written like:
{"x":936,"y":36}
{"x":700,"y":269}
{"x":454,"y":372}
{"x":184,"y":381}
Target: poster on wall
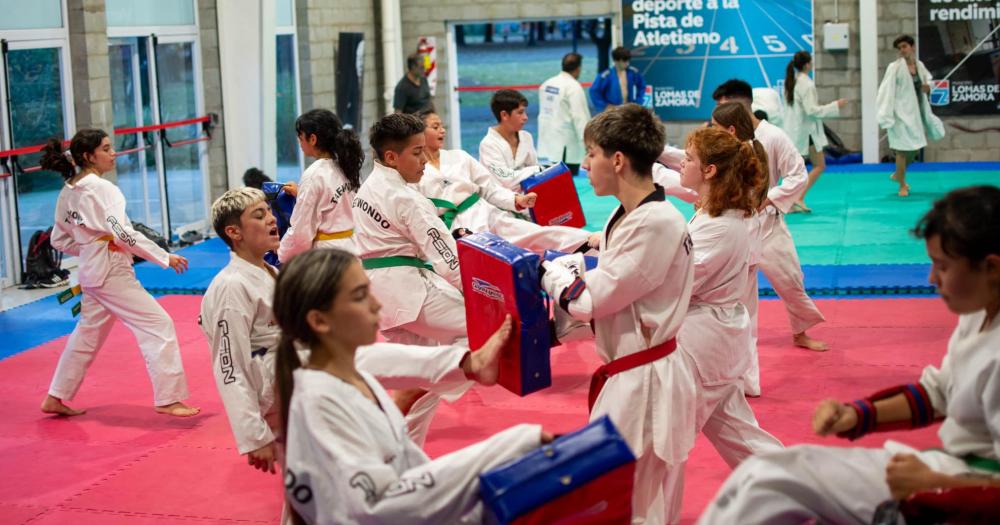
{"x":959,"y":44}
{"x":685,"y":48}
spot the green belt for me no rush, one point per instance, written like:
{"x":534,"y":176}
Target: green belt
{"x":981,"y":463}
{"x":394,"y":261}
{"x":452,"y":210}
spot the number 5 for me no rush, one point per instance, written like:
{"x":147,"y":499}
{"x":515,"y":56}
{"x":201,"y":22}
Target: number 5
{"x":774,"y":44}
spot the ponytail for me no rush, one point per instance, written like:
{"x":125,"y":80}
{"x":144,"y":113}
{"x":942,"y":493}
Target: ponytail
{"x":751,"y":176}
{"x":65,"y":162}
{"x":764,"y":183}
{"x":333,"y":139}
{"x":738,"y":173}
{"x":795,"y":65}
{"x":55,"y":159}
{"x":350,"y":156}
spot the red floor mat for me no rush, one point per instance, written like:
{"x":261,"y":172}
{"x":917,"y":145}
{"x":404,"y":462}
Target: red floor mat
{"x":122,"y":463}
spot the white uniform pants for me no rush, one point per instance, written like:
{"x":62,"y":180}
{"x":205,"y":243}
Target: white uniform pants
{"x":123,"y":297}
{"x":441,"y":322}
{"x":658,"y":491}
{"x":519,"y":232}
{"x":725,"y":417}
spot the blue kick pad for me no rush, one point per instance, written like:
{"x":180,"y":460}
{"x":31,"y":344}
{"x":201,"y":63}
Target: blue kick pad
{"x":860,"y":279}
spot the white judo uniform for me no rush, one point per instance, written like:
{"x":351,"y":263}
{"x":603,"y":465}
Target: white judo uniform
{"x":562,"y":115}
{"x":637,"y":298}
{"x":845,"y":485}
{"x":777,"y":256}
{"x":89,"y":215}
{"x":716,"y":334}
{"x":349,"y":460}
{"x":804,"y":118}
{"x":902,"y":112}
{"x":460,"y":178}
{"x":508,"y":167}
{"x":237,"y":318}
{"x":398,"y":232}
{"x":322,"y":214}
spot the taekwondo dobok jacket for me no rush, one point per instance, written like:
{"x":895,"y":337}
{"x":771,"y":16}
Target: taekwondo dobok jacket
{"x":562,"y":115}
{"x":392,"y":218}
{"x":905,"y":115}
{"x":350,"y":461}
{"x":804,"y":117}
{"x":89,"y":212}
{"x":509,"y":167}
{"x":323,"y":205}
{"x":459,"y":177}
{"x":607,"y":89}
{"x":237,"y":319}
{"x":785,"y":167}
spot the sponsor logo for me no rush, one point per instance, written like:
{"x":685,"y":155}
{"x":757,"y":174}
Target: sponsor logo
{"x":370,"y":210}
{"x":443,"y":249}
{"x":552,"y":89}
{"x":120,"y":231}
{"x":301,"y":492}
{"x":561,"y":219}
{"x":226,"y":356}
{"x":940,"y":92}
{"x":486,"y":289}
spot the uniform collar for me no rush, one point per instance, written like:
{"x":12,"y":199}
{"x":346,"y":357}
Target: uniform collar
{"x":242,"y":263}
{"x":657,"y":195}
{"x":390,"y":174}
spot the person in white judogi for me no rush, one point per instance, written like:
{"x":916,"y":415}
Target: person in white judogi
{"x":409,"y":253}
{"x":563,"y":114}
{"x":322,"y":214}
{"x":778,"y":258}
{"x":904,"y":111}
{"x":804,"y":116}
{"x":636,"y":299}
{"x":349,"y":459}
{"x":716,"y":330}
{"x":845,"y":485}
{"x":468,"y":198}
{"x":507,"y":150}
{"x":90,"y":223}
{"x":237,"y":319}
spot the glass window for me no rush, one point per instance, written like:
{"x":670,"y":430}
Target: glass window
{"x":37,"y":14}
{"x":142,"y":13}
{"x":34,"y":79}
{"x":288,"y":110}
{"x":286,"y":13}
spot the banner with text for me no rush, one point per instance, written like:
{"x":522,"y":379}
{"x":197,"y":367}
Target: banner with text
{"x":957,"y":38}
{"x":685,"y":48}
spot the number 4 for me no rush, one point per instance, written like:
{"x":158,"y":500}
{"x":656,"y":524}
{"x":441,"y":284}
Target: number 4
{"x":774,"y":44}
{"x":730,"y":45}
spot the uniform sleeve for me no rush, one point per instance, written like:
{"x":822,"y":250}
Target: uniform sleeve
{"x":991,"y":403}
{"x":117,"y":224}
{"x":61,"y":238}
{"x":672,"y":157}
{"x":304,"y":222}
{"x":640,"y":88}
{"x":811,"y":106}
{"x":433,"y":239}
{"x":491,"y":157}
{"x":489,"y":188}
{"x":232,"y":367}
{"x":792,"y":170}
{"x":597,"y":92}
{"x":885,"y":100}
{"x":580,"y":111}
{"x":671,"y":182}
{"x":406,"y":366}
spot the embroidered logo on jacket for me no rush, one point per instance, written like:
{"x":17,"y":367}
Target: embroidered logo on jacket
{"x":561,"y":219}
{"x":372,"y":212}
{"x":443,"y":249}
{"x":120,"y":231}
{"x":486,"y":289}
{"x":226,"y":356}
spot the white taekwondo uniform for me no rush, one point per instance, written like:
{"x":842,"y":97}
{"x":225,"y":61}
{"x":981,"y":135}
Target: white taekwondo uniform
{"x":89,"y":215}
{"x":350,"y":460}
{"x":804,"y":117}
{"x":397,"y":232}
{"x":508,"y":167}
{"x":237,"y":318}
{"x":637,"y":298}
{"x":322,"y":214}
{"x":845,"y":485}
{"x":461,"y":178}
{"x":562,"y":115}
{"x":716,"y":334}
{"x":904,"y":114}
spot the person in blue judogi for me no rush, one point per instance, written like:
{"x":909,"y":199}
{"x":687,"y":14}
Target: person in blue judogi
{"x":610,"y":85}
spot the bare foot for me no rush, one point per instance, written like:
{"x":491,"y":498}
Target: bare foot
{"x":178,"y":409}
{"x":804,"y":341}
{"x":483,"y":365}
{"x":904,"y":191}
{"x":54,"y":405}
{"x":894,"y":177}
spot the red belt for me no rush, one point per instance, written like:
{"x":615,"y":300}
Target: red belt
{"x":605,"y":372}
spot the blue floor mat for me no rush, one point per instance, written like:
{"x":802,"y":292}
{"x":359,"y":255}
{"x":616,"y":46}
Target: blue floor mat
{"x":860,"y":279}
{"x":204,"y":262}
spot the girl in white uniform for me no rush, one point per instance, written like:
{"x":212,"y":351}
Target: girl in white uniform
{"x":238,"y":321}
{"x":507,"y":150}
{"x":716,"y":331}
{"x":637,"y":298}
{"x":845,"y":485}
{"x":904,"y":111}
{"x":804,"y":118}
{"x":473,"y":200}
{"x":410,"y":255}
{"x":322,"y":214}
{"x":90,"y":223}
{"x":349,"y":459}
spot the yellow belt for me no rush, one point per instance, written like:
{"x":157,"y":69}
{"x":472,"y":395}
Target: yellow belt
{"x":324,"y":236}
{"x":108,"y":239}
